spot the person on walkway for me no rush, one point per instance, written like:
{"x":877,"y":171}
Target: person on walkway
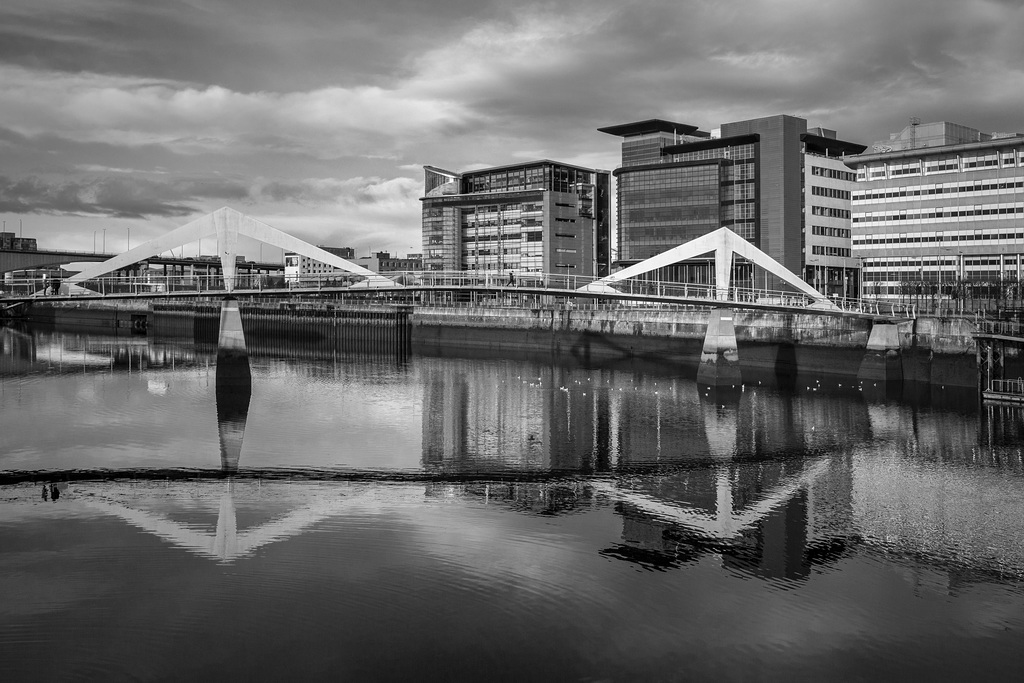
{"x":511,"y":279}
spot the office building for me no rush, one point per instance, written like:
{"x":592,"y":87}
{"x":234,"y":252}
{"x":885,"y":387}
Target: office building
{"x":772,"y":180}
{"x":384,"y":262}
{"x":297,"y":266}
{"x":11,"y":242}
{"x":937,"y":203}
{"x":537,"y":217}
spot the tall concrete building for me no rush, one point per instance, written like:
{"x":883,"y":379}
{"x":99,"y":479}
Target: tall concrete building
{"x":772,"y":180}
{"x":537,"y":217}
{"x":936,"y":203}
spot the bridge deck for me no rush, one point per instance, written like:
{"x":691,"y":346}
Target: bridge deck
{"x":449,"y":295}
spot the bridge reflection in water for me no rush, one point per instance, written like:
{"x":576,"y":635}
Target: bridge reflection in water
{"x":772,"y":482}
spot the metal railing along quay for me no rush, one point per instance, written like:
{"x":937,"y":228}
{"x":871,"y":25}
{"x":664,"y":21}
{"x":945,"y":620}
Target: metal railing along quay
{"x":493,"y":285}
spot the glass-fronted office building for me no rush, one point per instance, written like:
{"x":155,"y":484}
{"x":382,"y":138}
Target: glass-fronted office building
{"x":538,"y":217}
{"x":755,"y":177}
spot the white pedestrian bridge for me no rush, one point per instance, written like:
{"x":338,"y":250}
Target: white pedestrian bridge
{"x":632,"y":286}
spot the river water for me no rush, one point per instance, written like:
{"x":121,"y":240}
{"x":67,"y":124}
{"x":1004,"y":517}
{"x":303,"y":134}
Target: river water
{"x":375,"y":517}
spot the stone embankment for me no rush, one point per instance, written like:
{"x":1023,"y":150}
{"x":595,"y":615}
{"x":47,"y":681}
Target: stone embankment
{"x":937,"y":350}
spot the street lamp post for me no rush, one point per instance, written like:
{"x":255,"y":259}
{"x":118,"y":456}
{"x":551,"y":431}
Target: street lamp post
{"x":104,"y":240}
{"x":129,"y":238}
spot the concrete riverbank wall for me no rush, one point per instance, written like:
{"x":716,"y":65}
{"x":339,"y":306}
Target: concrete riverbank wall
{"x":936,"y":350}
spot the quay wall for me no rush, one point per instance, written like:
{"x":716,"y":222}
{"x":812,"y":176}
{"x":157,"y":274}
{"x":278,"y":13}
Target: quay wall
{"x":98,"y":317}
{"x":936,"y":350}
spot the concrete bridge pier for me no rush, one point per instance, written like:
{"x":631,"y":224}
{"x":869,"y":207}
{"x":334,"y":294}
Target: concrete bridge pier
{"x":883,"y":361}
{"x":234,"y":385}
{"x":720,"y":358}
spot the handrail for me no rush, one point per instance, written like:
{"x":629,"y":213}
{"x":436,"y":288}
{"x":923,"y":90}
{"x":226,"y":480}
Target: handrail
{"x":556,"y":284}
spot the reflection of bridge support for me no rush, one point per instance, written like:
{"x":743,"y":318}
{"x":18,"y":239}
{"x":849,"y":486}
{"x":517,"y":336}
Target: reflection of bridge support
{"x":234,"y":385}
{"x":720,"y":358}
{"x":883,"y":360}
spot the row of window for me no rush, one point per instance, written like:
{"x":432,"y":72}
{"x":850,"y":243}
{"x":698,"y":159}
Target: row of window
{"x":933,"y":260}
{"x":933,"y":214}
{"x":897,"y":240}
{"x":849,"y":176}
{"x":827,"y":231}
{"x":833,"y":192}
{"x":965,"y":162}
{"x":937,"y":189}
{"x":824,"y":250}
{"x":830,"y":211}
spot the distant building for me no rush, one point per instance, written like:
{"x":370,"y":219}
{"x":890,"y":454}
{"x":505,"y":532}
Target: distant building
{"x":384,"y":262}
{"x":11,"y":242}
{"x":773,"y":181}
{"x":536,"y":217}
{"x":936,"y":203}
{"x":297,"y":266}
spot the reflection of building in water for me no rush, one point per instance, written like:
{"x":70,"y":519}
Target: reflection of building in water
{"x":522,"y":416}
{"x":23,"y":353}
{"x":529,"y":415}
{"x":17,"y":351}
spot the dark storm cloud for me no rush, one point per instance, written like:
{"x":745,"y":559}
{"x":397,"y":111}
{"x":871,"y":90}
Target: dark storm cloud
{"x":247,"y":46}
{"x":860,"y":65}
{"x":117,"y":197}
{"x":326,"y":103}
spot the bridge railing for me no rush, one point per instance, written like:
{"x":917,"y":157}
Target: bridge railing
{"x":560,"y":284}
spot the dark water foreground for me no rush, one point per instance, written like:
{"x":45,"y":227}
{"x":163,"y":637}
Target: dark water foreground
{"x":375,"y":518}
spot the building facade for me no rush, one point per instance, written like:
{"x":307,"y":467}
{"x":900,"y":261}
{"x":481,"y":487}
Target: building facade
{"x":936,"y":204}
{"x":677,"y":183}
{"x":297,"y":266}
{"x":538,"y":217}
{"x":11,"y":241}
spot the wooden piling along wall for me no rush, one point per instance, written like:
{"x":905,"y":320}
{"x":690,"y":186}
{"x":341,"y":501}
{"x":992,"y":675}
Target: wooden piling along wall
{"x":293,"y":329}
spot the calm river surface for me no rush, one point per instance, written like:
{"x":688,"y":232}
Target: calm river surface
{"x":444,"y":518}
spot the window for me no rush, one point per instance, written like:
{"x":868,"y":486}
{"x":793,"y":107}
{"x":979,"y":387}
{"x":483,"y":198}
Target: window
{"x":830,"y":211}
{"x":833,"y":192}
{"x":833,"y":173}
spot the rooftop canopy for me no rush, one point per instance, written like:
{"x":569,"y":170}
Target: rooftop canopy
{"x":816,"y":144}
{"x":628,"y":130}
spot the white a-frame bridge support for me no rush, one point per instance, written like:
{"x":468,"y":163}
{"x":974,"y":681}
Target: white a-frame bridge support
{"x":724,"y":243}
{"x":227,"y":224}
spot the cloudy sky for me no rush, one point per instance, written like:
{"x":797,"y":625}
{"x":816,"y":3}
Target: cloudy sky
{"x":316,"y":116}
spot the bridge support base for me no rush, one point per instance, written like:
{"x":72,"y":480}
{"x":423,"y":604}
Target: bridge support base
{"x":234,"y":385}
{"x":883,"y":361}
{"x":720,"y":358}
